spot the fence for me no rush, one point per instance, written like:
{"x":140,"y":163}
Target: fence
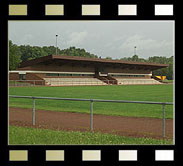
{"x":15,"y":83}
{"x":77,"y":82}
{"x":91,"y":106}
{"x":26,"y":83}
{"x":137,"y":81}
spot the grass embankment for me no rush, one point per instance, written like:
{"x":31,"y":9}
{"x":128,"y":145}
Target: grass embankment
{"x":33,"y":136}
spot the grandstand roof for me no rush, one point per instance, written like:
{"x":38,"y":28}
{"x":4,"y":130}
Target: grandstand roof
{"x":75,"y":59}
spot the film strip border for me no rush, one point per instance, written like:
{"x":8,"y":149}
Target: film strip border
{"x":89,"y":9}
{"x":23,"y":155}
{"x":124,"y":155}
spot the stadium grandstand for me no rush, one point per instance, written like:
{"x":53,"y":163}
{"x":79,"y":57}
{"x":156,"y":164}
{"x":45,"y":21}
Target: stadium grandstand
{"x":60,"y":70}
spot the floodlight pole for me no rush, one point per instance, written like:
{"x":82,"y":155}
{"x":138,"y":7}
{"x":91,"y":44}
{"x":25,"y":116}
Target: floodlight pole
{"x":33,"y":113}
{"x":56,"y":44}
{"x":163,"y":120}
{"x":91,"y":115}
{"x":135,"y":50}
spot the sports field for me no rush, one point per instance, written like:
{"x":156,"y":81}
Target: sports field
{"x":159,"y":93}
{"x":143,"y":122}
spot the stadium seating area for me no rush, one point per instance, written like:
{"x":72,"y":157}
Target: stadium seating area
{"x":94,"y":81}
{"x":73,"y":81}
{"x":136,"y":81}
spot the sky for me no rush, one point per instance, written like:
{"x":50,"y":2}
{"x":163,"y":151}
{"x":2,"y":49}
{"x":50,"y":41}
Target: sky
{"x":115,"y":39}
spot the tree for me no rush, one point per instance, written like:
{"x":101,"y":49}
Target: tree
{"x":168,"y":71}
{"x":26,"y":52}
{"x":73,"y":51}
{"x":108,"y":57}
{"x":14,"y":56}
{"x":135,"y":58}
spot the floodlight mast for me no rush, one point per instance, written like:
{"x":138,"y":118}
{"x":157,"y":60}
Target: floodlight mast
{"x":135,"y":50}
{"x":56,"y":44}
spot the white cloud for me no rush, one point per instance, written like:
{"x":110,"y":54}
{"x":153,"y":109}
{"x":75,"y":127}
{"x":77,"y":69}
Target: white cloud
{"x":143,"y":43}
{"x":104,"y":38}
{"x":77,"y":38}
{"x":146,"y":46}
{"x":25,"y":39}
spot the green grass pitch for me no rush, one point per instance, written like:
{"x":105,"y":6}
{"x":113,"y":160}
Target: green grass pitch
{"x":159,"y":93}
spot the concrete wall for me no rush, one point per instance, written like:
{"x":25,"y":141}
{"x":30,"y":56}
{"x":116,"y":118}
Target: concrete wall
{"x":13,"y":76}
{"x":30,"y":76}
{"x":35,"y":76}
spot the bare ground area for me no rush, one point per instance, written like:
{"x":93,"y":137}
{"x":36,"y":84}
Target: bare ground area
{"x":124,"y":126}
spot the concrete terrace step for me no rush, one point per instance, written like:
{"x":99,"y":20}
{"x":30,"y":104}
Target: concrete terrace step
{"x":136,"y":81}
{"x":73,"y":81}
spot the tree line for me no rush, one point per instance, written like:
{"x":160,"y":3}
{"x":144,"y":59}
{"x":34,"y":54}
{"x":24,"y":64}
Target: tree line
{"x":18,"y":54}
{"x":168,"y":71}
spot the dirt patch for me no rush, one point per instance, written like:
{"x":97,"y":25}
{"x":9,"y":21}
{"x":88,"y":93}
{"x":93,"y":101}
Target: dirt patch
{"x":125,"y":126}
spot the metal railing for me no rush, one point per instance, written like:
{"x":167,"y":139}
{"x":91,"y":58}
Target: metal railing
{"x":101,"y":82}
{"x":91,"y":106}
{"x":75,"y":82}
{"x":15,"y":83}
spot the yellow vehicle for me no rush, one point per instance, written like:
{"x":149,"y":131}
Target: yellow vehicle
{"x":161,"y":77}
